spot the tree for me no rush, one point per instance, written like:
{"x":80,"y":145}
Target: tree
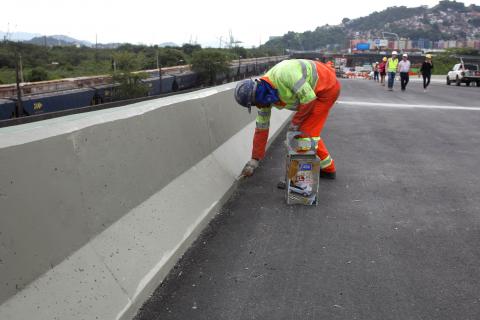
{"x":345,"y":20}
{"x":475,"y":22}
{"x":171,"y":57}
{"x":126,"y":61}
{"x":240,"y":52}
{"x":131,"y":85}
{"x":37,"y":74}
{"x":189,"y":49}
{"x":209,"y":63}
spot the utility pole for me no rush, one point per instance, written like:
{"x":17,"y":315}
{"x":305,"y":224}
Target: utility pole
{"x":19,"y":105}
{"x":392,"y":34}
{"x":21,"y":68}
{"x":239,"y":62}
{"x":96,"y":48}
{"x":159,"y":67}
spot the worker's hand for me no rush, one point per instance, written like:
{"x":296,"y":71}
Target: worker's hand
{"x":249,"y":168}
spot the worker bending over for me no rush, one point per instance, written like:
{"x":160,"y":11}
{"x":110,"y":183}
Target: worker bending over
{"x":308,"y":87}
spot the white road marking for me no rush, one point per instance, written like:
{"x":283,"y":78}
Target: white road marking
{"x":403,"y":105}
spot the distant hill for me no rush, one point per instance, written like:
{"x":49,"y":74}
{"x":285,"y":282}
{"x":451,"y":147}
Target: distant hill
{"x":18,"y":36}
{"x":68,"y":39}
{"x":108,"y":45}
{"x":449,"y":20}
{"x":62,"y":40}
{"x":58,"y":40}
{"x":168,"y":44}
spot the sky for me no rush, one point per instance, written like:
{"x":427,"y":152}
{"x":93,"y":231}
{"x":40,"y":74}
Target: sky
{"x":186,"y":21}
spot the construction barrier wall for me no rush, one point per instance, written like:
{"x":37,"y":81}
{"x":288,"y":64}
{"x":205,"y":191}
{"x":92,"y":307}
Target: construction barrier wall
{"x":96,"y":208}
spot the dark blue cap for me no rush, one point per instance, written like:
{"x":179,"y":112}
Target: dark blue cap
{"x":245,"y":93}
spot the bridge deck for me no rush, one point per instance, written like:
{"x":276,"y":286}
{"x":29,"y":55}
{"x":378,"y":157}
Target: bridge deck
{"x":396,"y":236}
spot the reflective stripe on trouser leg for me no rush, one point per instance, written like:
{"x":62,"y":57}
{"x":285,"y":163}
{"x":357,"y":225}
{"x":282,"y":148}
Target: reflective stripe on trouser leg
{"x":315,"y":121}
{"x":326,"y":161}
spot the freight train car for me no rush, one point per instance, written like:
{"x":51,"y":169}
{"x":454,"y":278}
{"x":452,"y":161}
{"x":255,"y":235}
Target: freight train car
{"x":105,"y":93}
{"x":57,"y":101}
{"x":186,"y":80}
{"x":97,"y":90}
{"x":242,"y":71}
{"x":154,"y":85}
{"x":7,"y":109}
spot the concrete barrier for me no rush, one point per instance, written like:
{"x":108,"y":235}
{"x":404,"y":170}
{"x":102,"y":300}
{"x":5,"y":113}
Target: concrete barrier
{"x":96,"y":208}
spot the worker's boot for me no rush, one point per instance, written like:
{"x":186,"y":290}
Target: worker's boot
{"x":328,"y":175}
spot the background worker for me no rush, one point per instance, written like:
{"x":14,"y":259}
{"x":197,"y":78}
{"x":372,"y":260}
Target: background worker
{"x":404,"y":68}
{"x":426,"y":71}
{"x":308,"y":87}
{"x":375,"y":72}
{"x":381,"y":70}
{"x":392,"y":69}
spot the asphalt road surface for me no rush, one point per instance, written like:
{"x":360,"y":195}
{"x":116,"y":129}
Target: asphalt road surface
{"x":395,"y":236}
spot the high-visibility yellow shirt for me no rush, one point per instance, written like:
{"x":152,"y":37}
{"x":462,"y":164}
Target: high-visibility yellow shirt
{"x":392,"y":65}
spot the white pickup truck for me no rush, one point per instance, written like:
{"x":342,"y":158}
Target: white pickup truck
{"x":464,"y":72}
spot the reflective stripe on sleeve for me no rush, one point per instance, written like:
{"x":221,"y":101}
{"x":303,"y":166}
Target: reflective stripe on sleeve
{"x":299,"y":84}
{"x":265,"y":112}
{"x":314,"y":73}
{"x":263,"y":118}
{"x":264,"y":125}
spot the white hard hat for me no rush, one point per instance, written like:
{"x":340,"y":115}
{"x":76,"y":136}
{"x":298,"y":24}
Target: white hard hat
{"x":394,"y":52}
{"x":405,"y":55}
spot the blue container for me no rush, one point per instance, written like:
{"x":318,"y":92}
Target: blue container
{"x":167,"y":83}
{"x":7,"y":109}
{"x":154,"y":84}
{"x":185,"y":80}
{"x":105,"y":93}
{"x":421,"y":44}
{"x":242,"y":70}
{"x":263,"y":67}
{"x":57,"y":101}
{"x":221,"y":77}
{"x":251,"y":68}
{"x":363,"y":46}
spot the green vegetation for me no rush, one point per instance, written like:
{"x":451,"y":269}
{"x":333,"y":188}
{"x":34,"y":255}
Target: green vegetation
{"x":444,"y":61}
{"x":433,"y":34}
{"x":320,"y":38}
{"x":444,"y":5}
{"x":333,"y":37}
{"x":209,"y":63}
{"x":49,"y":63}
{"x":475,"y":22}
{"x":37,"y":74}
{"x":389,"y":15}
{"x":131,"y":86}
